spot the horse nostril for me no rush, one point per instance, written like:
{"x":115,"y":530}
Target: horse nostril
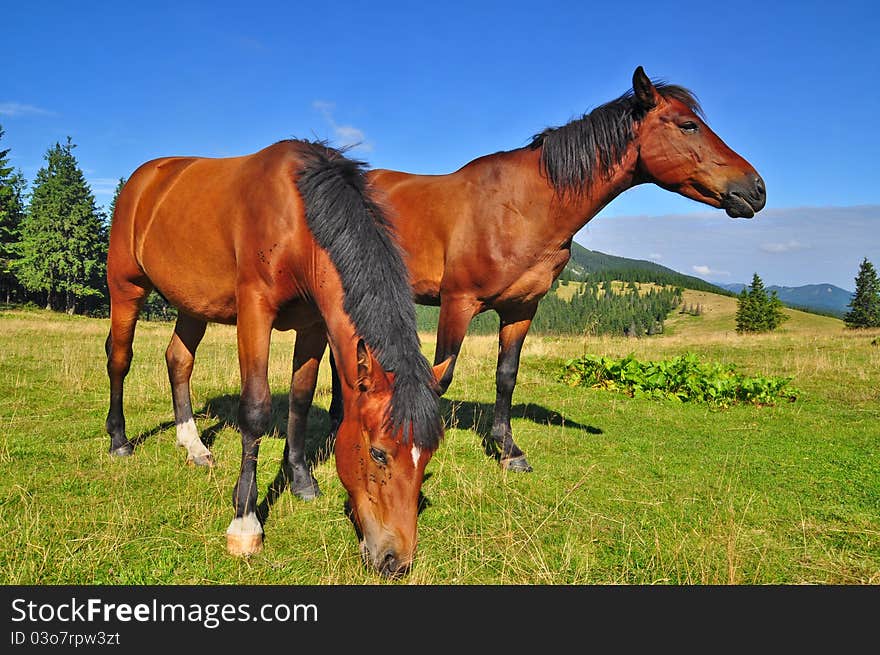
{"x":759,"y":187}
{"x":389,"y":563}
{"x":391,"y":567}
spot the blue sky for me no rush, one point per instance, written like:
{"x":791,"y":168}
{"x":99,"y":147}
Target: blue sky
{"x":425,"y":87}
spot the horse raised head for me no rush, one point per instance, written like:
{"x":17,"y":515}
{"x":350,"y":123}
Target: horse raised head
{"x":382,"y":465}
{"x":679,"y":152}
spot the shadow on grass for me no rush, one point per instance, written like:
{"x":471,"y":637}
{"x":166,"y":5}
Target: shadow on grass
{"x":457,"y":414}
{"x":467,"y":415}
{"x":318,"y":447}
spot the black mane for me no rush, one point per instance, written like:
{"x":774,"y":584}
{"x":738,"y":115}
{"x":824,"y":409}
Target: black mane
{"x":348,"y":222}
{"x":593,"y":144}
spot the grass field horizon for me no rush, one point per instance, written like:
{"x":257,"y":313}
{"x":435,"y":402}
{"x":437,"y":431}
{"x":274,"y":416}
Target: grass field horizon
{"x":624,"y":491}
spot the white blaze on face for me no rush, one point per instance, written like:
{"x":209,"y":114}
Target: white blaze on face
{"x":415,"y":455}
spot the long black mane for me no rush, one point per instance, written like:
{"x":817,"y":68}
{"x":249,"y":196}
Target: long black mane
{"x":575,"y":154}
{"x":348,"y":222}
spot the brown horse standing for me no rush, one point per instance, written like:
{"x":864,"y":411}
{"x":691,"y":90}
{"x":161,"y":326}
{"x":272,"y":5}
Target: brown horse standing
{"x":497,"y":232}
{"x":287,"y":238}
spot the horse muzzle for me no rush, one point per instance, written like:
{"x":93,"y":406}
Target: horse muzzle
{"x":387,"y":562}
{"x":745,"y":199}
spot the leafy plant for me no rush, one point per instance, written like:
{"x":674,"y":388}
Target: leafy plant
{"x":683,"y":379}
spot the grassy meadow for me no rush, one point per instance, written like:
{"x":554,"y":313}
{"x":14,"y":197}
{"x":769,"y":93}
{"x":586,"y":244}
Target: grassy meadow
{"x":624,"y":491}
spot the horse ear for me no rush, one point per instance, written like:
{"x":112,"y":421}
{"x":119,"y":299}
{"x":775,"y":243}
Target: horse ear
{"x":364,"y":367}
{"x":371,"y":377}
{"x":644,"y":89}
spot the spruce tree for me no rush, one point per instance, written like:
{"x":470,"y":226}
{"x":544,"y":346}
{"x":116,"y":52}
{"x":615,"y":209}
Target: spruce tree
{"x":12,"y":185}
{"x":865,"y":304}
{"x":116,"y":193}
{"x":63,"y":236}
{"x":756,"y":311}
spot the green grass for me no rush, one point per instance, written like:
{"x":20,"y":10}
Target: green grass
{"x":624,"y":491}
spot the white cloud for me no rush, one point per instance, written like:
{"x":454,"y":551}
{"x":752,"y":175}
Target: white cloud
{"x":12,"y":109}
{"x":821,"y":244}
{"x":103,"y":186}
{"x":655,"y":256}
{"x":702,"y":269}
{"x":787,"y":246}
{"x":347,"y":136}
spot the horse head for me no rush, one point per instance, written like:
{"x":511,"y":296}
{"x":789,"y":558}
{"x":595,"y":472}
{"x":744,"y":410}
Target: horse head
{"x":382,"y":468}
{"x":679,"y":152}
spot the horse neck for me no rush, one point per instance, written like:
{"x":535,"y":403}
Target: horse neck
{"x":567,"y":212}
{"x":570,"y":211}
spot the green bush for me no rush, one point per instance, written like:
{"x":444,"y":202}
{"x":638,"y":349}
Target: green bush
{"x":683,"y":379}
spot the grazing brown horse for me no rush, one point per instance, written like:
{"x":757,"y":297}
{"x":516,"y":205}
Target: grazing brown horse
{"x":496,"y":233}
{"x":287,"y":238}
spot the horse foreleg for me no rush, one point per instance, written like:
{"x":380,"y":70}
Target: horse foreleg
{"x":455,"y":316}
{"x":511,"y":336}
{"x":244,"y":536}
{"x":126,"y":300}
{"x":335,"y":399}
{"x":307,"y":355}
{"x":180,"y":356}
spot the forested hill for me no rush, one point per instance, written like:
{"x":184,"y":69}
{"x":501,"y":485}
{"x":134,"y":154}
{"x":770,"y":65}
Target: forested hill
{"x":598,"y":266}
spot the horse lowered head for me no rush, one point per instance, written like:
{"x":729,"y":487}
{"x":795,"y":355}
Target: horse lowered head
{"x":382,"y":465}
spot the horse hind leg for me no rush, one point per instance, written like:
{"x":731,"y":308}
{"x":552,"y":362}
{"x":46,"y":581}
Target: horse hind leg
{"x":180,"y":357}
{"x":307,"y":353}
{"x":126,"y":301}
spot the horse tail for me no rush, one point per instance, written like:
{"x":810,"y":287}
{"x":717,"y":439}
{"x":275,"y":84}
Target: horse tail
{"x":347,"y":220}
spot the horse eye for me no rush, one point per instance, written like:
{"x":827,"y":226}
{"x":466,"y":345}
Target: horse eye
{"x":689,"y":127}
{"x":378,"y":456}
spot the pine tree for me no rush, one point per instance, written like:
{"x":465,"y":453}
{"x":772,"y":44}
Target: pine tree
{"x":112,"y":209}
{"x":756,"y":311}
{"x":865,"y":304}
{"x":11,"y":214}
{"x":63,"y":236}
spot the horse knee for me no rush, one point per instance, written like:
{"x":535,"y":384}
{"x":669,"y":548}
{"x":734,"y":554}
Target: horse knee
{"x":254,"y":413}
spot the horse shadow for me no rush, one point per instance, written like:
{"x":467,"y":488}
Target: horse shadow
{"x":224,"y":409}
{"x":319,"y":442}
{"x":478,"y":417}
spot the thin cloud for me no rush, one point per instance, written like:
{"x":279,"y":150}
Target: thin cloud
{"x":103,"y":186}
{"x":702,"y":269}
{"x":347,"y":136}
{"x":788,"y":246}
{"x":13,"y":109}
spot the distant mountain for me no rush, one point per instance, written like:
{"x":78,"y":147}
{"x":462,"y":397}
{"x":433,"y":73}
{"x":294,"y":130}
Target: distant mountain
{"x":585,"y":263}
{"x":823,"y":298}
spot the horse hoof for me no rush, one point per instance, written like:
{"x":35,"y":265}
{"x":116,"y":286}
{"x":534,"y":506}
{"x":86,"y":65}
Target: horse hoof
{"x":518,"y":464}
{"x":125,"y":450}
{"x":206,"y":461}
{"x":244,"y":545}
{"x":308,"y":491}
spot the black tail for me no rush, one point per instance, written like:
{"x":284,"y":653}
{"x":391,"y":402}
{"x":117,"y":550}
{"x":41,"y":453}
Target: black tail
{"x":348,"y":222}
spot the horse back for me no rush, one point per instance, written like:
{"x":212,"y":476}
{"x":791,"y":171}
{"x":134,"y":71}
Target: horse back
{"x":199,"y":228}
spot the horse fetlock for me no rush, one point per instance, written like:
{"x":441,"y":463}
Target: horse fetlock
{"x":303,"y":484}
{"x":197,"y":454}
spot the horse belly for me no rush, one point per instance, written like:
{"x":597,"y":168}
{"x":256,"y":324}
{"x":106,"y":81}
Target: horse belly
{"x":194,"y":277}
